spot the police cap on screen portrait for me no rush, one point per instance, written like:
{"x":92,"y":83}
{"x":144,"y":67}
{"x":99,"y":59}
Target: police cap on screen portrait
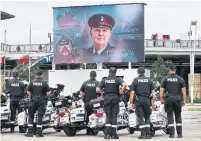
{"x":101,"y":20}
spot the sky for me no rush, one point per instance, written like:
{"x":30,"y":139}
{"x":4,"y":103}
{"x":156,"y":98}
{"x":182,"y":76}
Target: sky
{"x":163,"y":17}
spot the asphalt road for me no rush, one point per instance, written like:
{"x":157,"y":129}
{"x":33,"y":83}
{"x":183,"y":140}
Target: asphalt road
{"x":191,"y":132}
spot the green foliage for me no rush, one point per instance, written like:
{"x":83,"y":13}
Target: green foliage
{"x":195,"y":100}
{"x":159,"y":70}
{"x":24,"y":72}
{"x":188,"y":99}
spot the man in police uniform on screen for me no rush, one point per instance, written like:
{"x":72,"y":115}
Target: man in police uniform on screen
{"x":39,"y":90}
{"x":111,"y":86}
{"x":101,"y":30}
{"x":88,"y":92}
{"x":142,"y":87}
{"x":16,"y":90}
{"x":172,"y":86}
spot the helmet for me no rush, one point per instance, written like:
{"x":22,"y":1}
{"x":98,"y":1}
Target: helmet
{"x":60,"y":83}
{"x":53,"y":86}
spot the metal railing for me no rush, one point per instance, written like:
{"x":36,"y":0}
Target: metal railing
{"x":47,"y":48}
{"x":26,"y":48}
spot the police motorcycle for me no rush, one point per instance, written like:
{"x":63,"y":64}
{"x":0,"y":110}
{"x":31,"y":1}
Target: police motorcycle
{"x":125,"y":118}
{"x":158,"y":118}
{"x":24,"y":115}
{"x":5,"y":111}
{"x":77,"y":117}
{"x":61,"y":105}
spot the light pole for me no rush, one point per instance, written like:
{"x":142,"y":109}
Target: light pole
{"x":192,"y":56}
{"x":30,"y":48}
{"x":50,"y":37}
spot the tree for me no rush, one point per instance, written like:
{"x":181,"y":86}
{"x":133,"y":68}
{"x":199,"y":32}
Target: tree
{"x":159,"y":70}
{"x":24,"y":72}
{"x":24,"y":75}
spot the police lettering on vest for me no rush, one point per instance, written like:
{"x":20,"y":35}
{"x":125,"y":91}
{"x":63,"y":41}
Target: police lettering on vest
{"x":89,"y":88}
{"x":172,"y":79}
{"x":143,"y":80}
{"x":38,"y":87}
{"x":142,"y":86}
{"x":37,"y":84}
{"x":16,"y":88}
{"x":173,"y":84}
{"x":110,"y":81}
{"x":91,"y":85}
{"x":111,"y":84}
{"x":15,"y":84}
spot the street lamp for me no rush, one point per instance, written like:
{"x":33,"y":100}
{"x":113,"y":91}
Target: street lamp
{"x":50,"y":37}
{"x":192,"y":56}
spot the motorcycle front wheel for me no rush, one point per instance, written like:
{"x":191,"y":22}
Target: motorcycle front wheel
{"x":69,"y":131}
{"x":22,"y":129}
{"x":131,"y":130}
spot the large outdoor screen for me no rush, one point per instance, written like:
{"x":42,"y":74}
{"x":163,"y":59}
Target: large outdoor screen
{"x":97,"y":34}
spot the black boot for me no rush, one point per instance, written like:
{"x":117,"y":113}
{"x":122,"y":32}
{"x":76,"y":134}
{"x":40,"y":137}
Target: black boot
{"x":12,"y":128}
{"x":39,"y":132}
{"x":107,"y":133}
{"x":143,"y":134}
{"x":148,"y":133}
{"x":88,"y":131}
{"x":30,"y":132}
{"x":114,"y":133}
{"x":171,"y":131}
{"x":179,"y":131}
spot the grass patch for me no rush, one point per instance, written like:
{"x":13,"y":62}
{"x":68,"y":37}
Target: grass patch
{"x":194,"y":109}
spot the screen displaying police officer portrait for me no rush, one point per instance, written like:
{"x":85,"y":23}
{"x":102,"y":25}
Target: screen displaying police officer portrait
{"x":98,"y":34}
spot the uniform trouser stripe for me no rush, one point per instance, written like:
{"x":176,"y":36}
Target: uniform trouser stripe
{"x":178,"y":124}
{"x":170,"y":125}
{"x":114,"y":126}
{"x":108,"y":125}
{"x":39,"y":126}
{"x":30,"y":125}
{"x":142,"y":126}
{"x":12,"y":122}
{"x":147,"y":125}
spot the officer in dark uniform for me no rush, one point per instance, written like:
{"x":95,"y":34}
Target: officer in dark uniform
{"x":16,"y":89}
{"x":111,"y":86}
{"x":38,"y":89}
{"x":142,"y":87}
{"x":170,"y":93}
{"x":101,"y":30}
{"x":88,"y":92}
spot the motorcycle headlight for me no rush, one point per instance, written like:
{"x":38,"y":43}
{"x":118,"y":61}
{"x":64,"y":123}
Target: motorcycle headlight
{"x":58,"y":103}
{"x":69,"y":101}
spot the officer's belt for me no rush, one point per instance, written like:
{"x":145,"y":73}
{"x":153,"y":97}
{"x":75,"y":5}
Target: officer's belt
{"x":37,"y":96}
{"x":172,"y":94}
{"x":111,"y":93}
{"x":143,"y":95}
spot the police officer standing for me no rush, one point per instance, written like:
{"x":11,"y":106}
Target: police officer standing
{"x":111,"y":101}
{"x":38,"y":90}
{"x":16,"y":89}
{"x":170,"y":94}
{"x":88,"y":92}
{"x":141,"y":88}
